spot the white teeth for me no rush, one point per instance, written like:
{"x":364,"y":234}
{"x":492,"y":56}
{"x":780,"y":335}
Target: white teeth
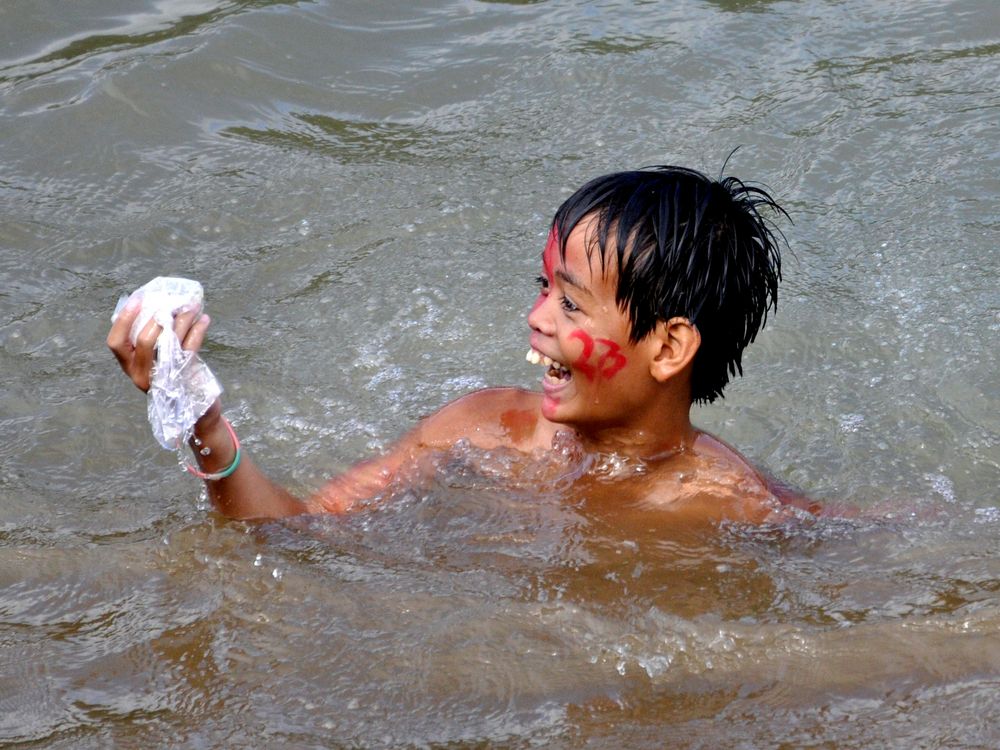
{"x":537,"y":358}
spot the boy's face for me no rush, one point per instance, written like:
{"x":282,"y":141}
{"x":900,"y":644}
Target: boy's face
{"x":595,"y":377}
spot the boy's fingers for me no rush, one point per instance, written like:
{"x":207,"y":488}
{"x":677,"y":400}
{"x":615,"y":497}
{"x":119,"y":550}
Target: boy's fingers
{"x":184,"y":319}
{"x":118,"y":335}
{"x":142,"y":365}
{"x":196,"y":334}
{"x":148,"y":335}
{"x":137,"y":360}
{"x":145,"y":352}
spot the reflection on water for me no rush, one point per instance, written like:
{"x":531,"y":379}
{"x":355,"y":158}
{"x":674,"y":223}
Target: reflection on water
{"x":162,"y":22}
{"x":350,"y":141}
{"x":364,"y":189}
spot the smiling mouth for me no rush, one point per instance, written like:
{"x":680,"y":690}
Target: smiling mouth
{"x":557,"y":373}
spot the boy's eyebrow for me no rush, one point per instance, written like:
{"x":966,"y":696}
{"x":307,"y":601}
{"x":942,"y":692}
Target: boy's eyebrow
{"x":567,"y":278}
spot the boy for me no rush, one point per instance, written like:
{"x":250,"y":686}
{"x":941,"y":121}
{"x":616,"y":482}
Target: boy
{"x":653,"y":283}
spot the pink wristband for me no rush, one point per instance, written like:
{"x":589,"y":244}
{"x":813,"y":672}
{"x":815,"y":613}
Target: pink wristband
{"x":211,"y":477}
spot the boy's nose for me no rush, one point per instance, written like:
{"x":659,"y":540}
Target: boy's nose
{"x":539,"y":318}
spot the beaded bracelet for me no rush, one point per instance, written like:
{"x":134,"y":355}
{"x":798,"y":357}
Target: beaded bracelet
{"x":229,"y":469}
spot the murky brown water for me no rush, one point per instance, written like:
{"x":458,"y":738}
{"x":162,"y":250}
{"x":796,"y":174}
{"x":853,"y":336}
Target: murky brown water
{"x":364,"y":188}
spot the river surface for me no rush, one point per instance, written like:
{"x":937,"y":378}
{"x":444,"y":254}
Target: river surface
{"x":364,"y":187}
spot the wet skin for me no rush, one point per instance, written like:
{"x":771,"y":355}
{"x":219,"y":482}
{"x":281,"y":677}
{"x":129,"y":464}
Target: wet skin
{"x":612,"y":396}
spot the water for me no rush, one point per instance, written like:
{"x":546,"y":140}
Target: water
{"x":363,"y":188}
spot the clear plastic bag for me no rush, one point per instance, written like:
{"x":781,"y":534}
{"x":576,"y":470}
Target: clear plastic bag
{"x":182,"y":386}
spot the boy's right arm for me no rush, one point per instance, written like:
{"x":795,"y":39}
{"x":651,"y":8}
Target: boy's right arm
{"x":247,"y":493}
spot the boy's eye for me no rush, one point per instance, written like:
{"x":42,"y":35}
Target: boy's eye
{"x":567,"y":304}
{"x":543,"y":284}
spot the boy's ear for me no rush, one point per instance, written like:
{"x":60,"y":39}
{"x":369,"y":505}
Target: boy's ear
{"x":675,"y":342}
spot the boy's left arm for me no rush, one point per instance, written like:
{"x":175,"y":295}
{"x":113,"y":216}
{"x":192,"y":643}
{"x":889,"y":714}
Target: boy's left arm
{"x":467,"y":417}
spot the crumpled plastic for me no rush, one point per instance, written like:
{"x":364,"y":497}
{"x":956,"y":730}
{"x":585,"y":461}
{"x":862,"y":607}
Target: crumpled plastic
{"x":182,"y":386}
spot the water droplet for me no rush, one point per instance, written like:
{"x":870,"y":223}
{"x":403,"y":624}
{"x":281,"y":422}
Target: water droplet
{"x":987,"y":515}
{"x":851,"y":422}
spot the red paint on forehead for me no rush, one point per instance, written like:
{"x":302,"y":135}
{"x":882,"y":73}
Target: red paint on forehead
{"x":550,"y":255}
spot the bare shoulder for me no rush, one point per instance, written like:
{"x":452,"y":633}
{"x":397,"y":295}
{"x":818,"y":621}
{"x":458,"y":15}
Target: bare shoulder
{"x":726,"y":458}
{"x":712,"y":481}
{"x":784,"y":493}
{"x":488,"y":418}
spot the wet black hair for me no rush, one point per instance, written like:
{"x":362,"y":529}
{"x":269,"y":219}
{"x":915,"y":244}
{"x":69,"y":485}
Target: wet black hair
{"x":685,"y":245}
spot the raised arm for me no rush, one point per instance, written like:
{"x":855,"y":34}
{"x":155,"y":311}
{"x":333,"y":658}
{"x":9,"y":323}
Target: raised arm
{"x":246,"y":492}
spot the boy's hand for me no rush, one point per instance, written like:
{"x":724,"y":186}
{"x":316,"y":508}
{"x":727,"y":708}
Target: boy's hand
{"x":246,"y":493}
{"x":137,"y":361}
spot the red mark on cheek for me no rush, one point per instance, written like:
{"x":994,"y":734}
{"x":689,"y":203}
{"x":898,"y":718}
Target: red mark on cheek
{"x":608,"y":362}
{"x":538,"y":303}
{"x":582,"y":362}
{"x":612,"y":360}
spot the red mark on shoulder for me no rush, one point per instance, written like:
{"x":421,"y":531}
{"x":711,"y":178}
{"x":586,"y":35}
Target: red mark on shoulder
{"x":608,"y":362}
{"x":518,"y":424}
